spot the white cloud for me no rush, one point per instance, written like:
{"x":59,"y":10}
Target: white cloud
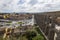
{"x":41,"y":5}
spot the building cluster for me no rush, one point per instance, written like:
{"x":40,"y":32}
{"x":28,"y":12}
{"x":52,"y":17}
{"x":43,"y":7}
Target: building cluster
{"x":19,"y":22}
{"x":15,"y":16}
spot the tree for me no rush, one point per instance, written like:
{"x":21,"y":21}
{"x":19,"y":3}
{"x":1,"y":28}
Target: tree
{"x":30,"y":35}
{"x":38,"y":37}
{"x":20,"y":23}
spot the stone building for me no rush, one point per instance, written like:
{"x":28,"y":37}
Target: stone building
{"x":47,"y":22}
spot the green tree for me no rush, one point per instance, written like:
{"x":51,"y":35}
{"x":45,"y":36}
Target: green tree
{"x":20,"y":23}
{"x":30,"y":35}
{"x":38,"y":37}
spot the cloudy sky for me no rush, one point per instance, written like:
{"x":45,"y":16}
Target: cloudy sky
{"x":29,"y":5}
